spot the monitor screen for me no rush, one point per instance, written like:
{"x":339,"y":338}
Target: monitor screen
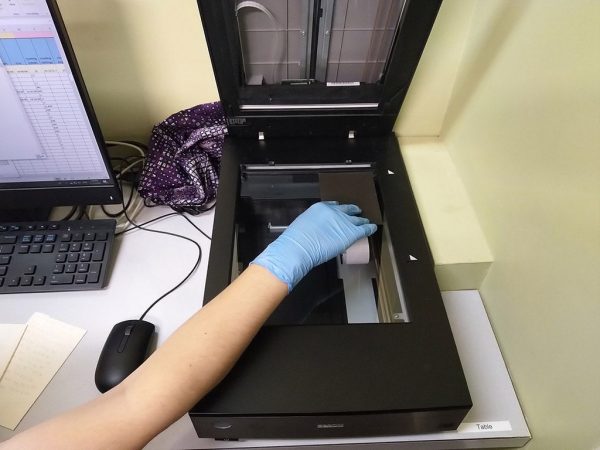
{"x":51,"y":149}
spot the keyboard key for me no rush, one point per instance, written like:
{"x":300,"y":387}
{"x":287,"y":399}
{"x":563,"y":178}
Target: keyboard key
{"x":75,"y":247}
{"x":65,"y":237}
{"x":3,"y":228}
{"x":8,"y":239}
{"x":4,"y":260}
{"x":35,"y":248}
{"x":85,"y":257}
{"x":61,"y":279}
{"x":30,"y":227}
{"x":102,"y":236}
{"x":1,"y":282}
{"x":42,"y":226}
{"x":27,"y":239}
{"x":77,"y":237}
{"x":14,"y":281}
{"x":58,"y":268}
{"x":88,"y":247}
{"x":48,"y":248}
{"x":83,"y":267}
{"x":64,"y":247}
{"x":73,"y":257}
{"x":53,"y":226}
{"x":7,"y":249}
{"x":23,"y":249}
{"x":98,"y":253}
{"x":38,"y":238}
{"x":3,"y":270}
{"x":39,"y":280}
{"x":30,"y":270}
{"x":26,"y":281}
{"x":80,"y":278}
{"x":61,"y":258}
{"x":14,"y":228}
{"x":94,"y":273}
{"x":71,"y":268}
{"x":90,"y":236}
{"x":51,"y":238}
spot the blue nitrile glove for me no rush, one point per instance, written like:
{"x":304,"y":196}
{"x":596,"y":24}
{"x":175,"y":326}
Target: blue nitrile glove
{"x":320,"y":233}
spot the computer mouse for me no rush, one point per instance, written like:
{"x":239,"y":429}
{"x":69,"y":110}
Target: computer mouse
{"x":124,"y":351}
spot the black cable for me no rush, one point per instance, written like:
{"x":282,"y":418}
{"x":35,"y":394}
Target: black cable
{"x":82,"y":212}
{"x":195,"y":226}
{"x":70,"y":213}
{"x":146,"y":223}
{"x":190,"y":273}
{"x":141,"y":227}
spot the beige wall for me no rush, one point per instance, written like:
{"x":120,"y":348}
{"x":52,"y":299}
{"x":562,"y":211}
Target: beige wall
{"x":523,"y":129}
{"x":142,"y":60}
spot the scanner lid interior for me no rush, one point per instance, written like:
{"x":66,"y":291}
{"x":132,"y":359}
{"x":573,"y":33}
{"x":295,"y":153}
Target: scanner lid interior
{"x":315,"y":67}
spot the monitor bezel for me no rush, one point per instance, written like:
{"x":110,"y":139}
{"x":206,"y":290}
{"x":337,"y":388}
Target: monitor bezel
{"x":40,"y":195}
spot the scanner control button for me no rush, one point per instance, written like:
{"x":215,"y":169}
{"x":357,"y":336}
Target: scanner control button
{"x":222,"y":425}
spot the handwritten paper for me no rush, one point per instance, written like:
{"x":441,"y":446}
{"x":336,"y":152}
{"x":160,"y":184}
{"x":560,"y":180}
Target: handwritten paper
{"x":43,"y":349}
{"x":10,"y":335}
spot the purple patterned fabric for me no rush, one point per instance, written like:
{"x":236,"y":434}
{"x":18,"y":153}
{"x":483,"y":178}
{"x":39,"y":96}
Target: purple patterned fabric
{"x":182,"y":167}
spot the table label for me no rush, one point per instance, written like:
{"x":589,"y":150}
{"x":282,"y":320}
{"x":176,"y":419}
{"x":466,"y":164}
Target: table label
{"x":484,"y":427}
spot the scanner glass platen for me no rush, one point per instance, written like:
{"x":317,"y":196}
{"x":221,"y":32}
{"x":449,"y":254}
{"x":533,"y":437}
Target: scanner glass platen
{"x":366,"y":289}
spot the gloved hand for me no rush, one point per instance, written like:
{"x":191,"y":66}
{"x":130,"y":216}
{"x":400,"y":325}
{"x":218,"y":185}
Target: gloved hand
{"x":320,"y":233}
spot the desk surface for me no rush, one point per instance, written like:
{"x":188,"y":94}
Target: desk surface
{"x":145,"y":265}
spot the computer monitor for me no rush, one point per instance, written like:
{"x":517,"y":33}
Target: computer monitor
{"x":51,"y":149}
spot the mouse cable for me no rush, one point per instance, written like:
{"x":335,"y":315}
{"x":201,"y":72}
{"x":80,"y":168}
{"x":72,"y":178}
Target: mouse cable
{"x":195,"y":226}
{"x":189,"y":274}
{"x":183,"y":211}
{"x":127,"y":230}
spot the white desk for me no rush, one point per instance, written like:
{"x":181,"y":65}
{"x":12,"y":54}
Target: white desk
{"x":145,"y":265}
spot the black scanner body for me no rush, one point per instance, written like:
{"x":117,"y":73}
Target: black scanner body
{"x":124,"y":351}
{"x":311,"y":93}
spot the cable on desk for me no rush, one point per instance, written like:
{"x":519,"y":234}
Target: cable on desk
{"x":189,"y":274}
{"x":119,"y":233}
{"x":193,"y":210}
{"x":194,"y":225}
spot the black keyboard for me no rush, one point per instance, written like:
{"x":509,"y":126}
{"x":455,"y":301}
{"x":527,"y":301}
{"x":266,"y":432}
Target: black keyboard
{"x":55,"y":256}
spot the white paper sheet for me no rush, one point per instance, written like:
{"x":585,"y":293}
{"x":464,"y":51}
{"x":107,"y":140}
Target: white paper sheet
{"x":43,"y":349}
{"x":10,"y":335}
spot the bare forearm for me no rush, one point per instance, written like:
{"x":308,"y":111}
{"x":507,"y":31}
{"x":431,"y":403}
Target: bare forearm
{"x":189,"y":364}
{"x":204,"y":349}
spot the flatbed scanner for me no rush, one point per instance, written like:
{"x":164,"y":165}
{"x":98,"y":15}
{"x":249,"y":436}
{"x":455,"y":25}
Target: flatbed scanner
{"x":362,"y":346}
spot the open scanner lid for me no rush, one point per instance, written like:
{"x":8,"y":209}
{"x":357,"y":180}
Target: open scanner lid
{"x":314,"y":67}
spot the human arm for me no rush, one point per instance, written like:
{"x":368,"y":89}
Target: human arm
{"x":180,"y":372}
{"x":202,"y":351}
